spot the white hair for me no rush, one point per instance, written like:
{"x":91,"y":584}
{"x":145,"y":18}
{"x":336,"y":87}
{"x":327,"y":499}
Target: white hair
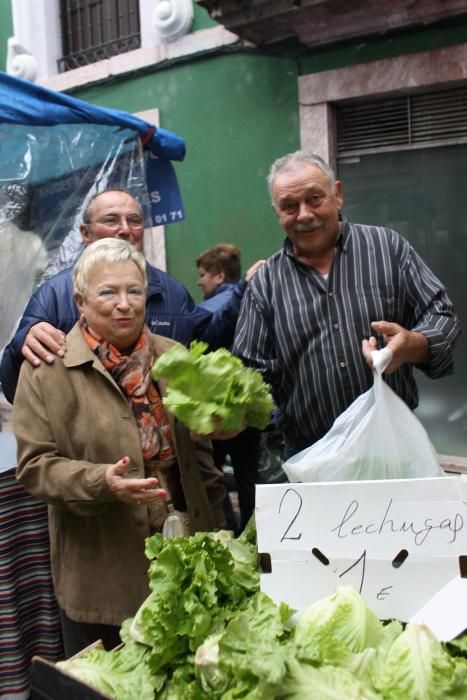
{"x":105,"y":250}
{"x":292,"y":162}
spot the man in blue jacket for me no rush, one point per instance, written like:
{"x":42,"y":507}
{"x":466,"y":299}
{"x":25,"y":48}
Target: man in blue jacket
{"x":170,"y":311}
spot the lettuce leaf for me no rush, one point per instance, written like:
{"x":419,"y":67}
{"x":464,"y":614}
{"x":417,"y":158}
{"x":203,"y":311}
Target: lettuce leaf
{"x":122,"y":673}
{"x":245,"y":560}
{"x":336,"y":625}
{"x":247,"y":660}
{"x":212,"y":391}
{"x":458,"y":646}
{"x":326,"y":683}
{"x":417,"y":667}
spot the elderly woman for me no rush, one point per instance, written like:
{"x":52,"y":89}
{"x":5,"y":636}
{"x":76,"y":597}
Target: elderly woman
{"x":95,"y":443}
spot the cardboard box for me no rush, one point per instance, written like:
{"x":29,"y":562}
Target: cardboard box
{"x":51,"y":683}
{"x":401,"y":543}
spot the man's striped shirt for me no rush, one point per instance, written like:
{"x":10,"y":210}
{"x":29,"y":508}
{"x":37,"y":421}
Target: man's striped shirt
{"x":304,"y":332}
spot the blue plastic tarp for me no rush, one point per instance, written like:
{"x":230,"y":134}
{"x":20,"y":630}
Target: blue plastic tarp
{"x":56,"y":152}
{"x":34,"y":118}
{"x":22,"y":102}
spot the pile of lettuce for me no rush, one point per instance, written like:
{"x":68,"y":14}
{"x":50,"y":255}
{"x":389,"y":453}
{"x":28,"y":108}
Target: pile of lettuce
{"x":212,"y":391}
{"x":206,"y":632}
{"x":197,"y":584}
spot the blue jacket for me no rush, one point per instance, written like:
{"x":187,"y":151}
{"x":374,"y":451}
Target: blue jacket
{"x":222,"y":294}
{"x":170,"y":311}
{"x":222,"y":297}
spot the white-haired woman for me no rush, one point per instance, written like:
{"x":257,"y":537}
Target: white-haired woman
{"x":94,"y":441}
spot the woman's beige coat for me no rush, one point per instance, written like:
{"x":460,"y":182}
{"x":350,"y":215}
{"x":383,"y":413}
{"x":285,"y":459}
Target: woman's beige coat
{"x":71,"y":422}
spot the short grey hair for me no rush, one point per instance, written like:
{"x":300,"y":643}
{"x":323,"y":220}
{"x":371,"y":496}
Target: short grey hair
{"x":90,"y":202}
{"x":292,"y":162}
{"x":105,"y":250}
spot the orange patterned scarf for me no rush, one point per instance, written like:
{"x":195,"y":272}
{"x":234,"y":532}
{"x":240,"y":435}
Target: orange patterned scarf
{"x":133,"y":375}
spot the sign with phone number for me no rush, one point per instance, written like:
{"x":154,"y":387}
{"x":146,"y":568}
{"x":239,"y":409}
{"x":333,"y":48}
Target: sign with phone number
{"x":165,"y":200}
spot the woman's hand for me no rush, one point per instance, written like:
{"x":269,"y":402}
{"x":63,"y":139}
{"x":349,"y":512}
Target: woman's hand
{"x":134,"y":491}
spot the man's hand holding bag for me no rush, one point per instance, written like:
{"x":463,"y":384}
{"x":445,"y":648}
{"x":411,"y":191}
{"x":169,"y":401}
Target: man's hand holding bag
{"x":377,"y":437}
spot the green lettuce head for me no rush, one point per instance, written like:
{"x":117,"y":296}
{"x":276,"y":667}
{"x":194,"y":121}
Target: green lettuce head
{"x":212,"y":391}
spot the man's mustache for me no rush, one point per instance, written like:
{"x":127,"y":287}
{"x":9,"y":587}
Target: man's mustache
{"x":308,"y":228}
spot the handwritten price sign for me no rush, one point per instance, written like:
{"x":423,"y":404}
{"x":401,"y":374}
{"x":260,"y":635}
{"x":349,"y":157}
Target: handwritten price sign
{"x":397,"y":542}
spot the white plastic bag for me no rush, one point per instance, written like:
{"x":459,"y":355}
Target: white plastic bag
{"x":377,"y":437}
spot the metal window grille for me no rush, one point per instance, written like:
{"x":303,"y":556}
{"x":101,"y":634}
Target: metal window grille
{"x":419,"y":120}
{"x":93,"y":30}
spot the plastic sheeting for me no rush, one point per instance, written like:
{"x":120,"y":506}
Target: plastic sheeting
{"x":56,"y":152}
{"x":22,"y":102}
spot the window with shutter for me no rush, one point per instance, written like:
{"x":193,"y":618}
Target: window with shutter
{"x":398,"y":123}
{"x":93,"y":30}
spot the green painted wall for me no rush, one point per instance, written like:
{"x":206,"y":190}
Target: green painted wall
{"x":6,"y":29}
{"x":201,"y":19}
{"x":237,"y":113}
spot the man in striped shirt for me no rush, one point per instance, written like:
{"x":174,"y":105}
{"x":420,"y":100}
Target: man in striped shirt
{"x":312,"y":314}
